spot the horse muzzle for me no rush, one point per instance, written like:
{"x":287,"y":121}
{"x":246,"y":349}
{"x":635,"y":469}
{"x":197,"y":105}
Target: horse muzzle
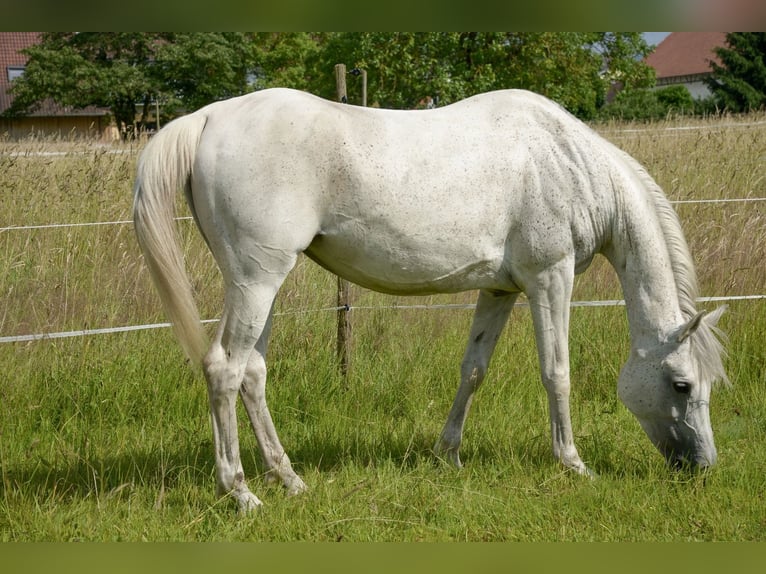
{"x":692,"y":461}
{"x":682,"y":446}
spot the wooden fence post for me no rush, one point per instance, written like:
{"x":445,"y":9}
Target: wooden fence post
{"x":344,"y":289}
{"x":340,"y":82}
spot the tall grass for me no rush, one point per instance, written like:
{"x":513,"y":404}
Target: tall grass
{"x":107,"y":437}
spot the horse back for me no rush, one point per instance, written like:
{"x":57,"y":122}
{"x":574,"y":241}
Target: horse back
{"x":409,"y":201}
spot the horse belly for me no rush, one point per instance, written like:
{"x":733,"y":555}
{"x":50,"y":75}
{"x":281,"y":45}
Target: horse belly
{"x":409,"y":267}
{"x":415,"y":227}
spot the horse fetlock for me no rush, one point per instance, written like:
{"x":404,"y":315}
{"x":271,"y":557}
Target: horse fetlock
{"x":575,"y":463}
{"x":448,"y":452}
{"x":288,"y":478}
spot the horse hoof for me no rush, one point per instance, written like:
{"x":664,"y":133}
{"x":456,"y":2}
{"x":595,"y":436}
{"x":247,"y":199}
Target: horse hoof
{"x":448,"y":455}
{"x":296,"y":486}
{"x":583,"y":470}
{"x":248,"y":502}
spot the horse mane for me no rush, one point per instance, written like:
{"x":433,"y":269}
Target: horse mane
{"x":708,"y":349}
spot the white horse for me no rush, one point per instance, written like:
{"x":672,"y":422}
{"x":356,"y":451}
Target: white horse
{"x":503,"y":192}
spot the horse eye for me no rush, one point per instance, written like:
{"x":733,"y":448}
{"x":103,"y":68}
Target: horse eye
{"x":682,"y":387}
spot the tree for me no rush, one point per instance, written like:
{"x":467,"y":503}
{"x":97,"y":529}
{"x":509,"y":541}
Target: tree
{"x":119,"y":70}
{"x":739,"y":82}
{"x":404,"y":69}
{"x":191,"y":70}
{"x":287,"y":59}
{"x":407,"y":70}
{"x":397,"y":64}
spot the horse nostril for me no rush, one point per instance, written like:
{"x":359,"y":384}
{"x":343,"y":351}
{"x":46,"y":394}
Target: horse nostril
{"x":708,"y":461}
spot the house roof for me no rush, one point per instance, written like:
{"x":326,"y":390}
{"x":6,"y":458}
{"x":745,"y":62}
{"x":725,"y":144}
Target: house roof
{"x":11,"y":44}
{"x":686,"y":53}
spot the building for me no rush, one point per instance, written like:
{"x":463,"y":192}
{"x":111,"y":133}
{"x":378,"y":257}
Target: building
{"x":50,"y":118}
{"x":684,"y":58}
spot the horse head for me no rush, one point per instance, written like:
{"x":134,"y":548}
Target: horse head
{"x":667,"y":387}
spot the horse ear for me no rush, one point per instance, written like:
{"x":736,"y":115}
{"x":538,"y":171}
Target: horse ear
{"x":711,"y":319}
{"x":686,"y":331}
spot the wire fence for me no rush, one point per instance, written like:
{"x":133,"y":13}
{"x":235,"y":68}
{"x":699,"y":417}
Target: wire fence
{"x":128,"y":328}
{"x":189,"y":218}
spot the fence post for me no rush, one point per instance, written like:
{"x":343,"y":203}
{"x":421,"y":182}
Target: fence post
{"x":344,"y":289}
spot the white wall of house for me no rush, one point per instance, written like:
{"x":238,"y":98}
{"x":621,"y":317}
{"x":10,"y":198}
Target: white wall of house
{"x":694,"y":84}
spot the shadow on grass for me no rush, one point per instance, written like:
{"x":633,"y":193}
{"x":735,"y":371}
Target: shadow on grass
{"x":78,"y":476}
{"x":191,"y":466}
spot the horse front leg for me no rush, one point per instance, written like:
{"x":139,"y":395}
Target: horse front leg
{"x":549,"y":298}
{"x":490,"y":317}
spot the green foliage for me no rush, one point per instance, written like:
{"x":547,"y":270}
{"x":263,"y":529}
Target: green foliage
{"x":288,"y":59}
{"x":405,"y":69}
{"x":120,"y":70}
{"x":194,"y":69}
{"x":409,"y":70}
{"x":638,"y":105}
{"x":675,"y":98}
{"x":648,"y":104}
{"x":739,"y":84}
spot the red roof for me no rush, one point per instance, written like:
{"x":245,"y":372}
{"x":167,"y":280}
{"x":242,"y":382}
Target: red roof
{"x":686,"y":53}
{"x":11,"y":44}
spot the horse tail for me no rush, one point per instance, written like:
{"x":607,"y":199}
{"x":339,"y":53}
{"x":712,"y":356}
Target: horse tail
{"x":165,"y":166}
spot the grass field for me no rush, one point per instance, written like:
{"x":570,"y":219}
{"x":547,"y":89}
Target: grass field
{"x":107,"y":437}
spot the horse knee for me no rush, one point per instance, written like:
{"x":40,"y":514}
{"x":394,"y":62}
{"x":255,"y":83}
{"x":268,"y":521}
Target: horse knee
{"x":223,"y":377}
{"x":557,"y":382}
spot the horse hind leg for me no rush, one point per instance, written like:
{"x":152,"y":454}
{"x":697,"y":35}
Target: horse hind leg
{"x":245,"y":317}
{"x":490,"y":317}
{"x":253,"y":394}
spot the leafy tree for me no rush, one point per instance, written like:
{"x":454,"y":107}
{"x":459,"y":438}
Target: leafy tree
{"x":397,"y":64}
{"x":117,"y":70}
{"x":193,"y":69}
{"x":85,"y":69}
{"x":407,"y":70}
{"x":287,"y":59}
{"x":739,"y":82}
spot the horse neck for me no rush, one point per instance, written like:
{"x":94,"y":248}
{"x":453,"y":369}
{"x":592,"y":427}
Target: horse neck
{"x":641,"y":257}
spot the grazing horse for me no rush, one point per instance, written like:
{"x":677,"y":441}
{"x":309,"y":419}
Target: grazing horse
{"x":504,"y":192}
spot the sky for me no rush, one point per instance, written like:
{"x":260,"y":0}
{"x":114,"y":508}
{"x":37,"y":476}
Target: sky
{"x":654,"y":38}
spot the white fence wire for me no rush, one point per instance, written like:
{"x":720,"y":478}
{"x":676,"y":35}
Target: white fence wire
{"x":128,"y":328}
{"x":187,"y":218}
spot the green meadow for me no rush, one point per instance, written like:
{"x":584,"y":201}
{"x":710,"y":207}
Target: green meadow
{"x":106,"y":437}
